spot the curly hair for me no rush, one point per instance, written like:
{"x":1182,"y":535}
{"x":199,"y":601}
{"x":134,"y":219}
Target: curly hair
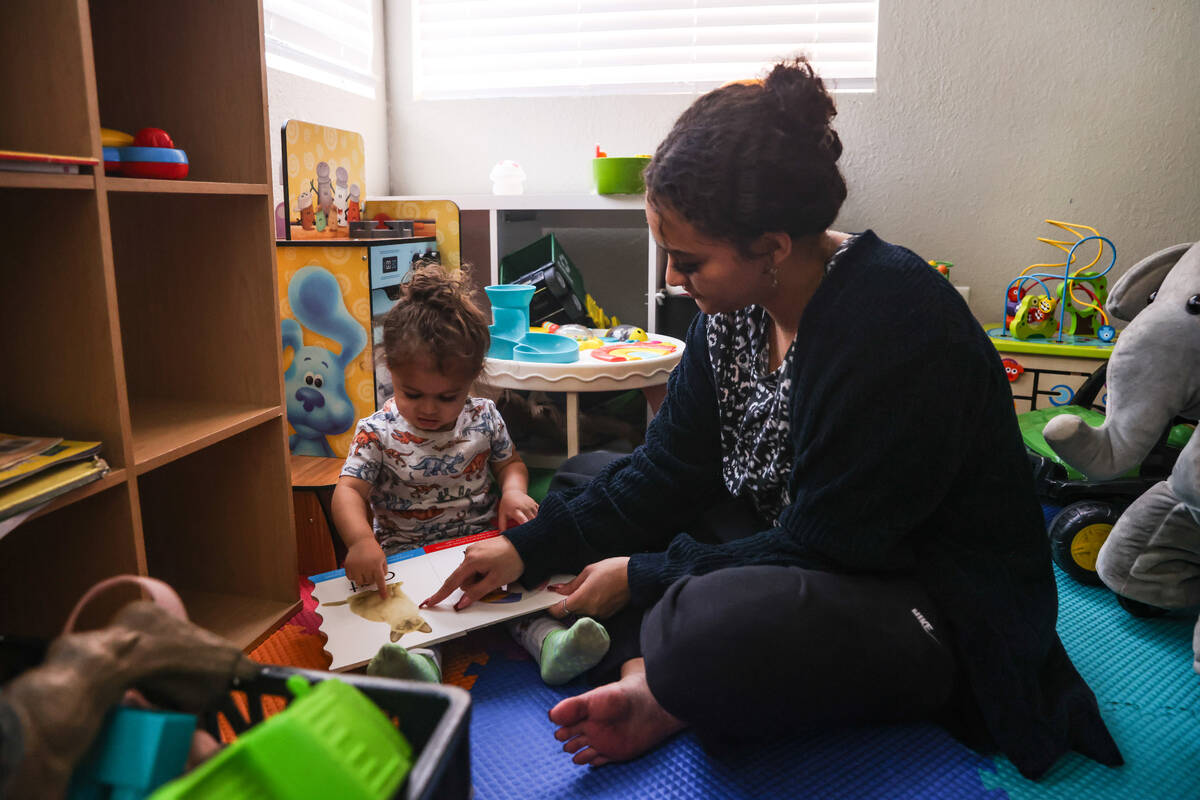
{"x":436,"y":318}
{"x":754,"y":157}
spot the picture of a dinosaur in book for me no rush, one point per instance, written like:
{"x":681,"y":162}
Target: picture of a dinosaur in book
{"x":438,"y":465}
{"x":398,"y":610}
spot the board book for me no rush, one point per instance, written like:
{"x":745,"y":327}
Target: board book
{"x":356,"y":621}
{"x":49,"y":484}
{"x":58,"y":453}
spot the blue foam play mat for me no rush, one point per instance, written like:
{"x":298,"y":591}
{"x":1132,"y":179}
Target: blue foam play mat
{"x":1140,"y":670}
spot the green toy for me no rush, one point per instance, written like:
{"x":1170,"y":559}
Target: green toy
{"x":331,"y":741}
{"x":1034,"y":317}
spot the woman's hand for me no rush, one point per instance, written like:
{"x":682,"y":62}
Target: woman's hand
{"x":366,"y":564}
{"x":600,"y":590}
{"x":516,"y":508}
{"x":486,"y":566}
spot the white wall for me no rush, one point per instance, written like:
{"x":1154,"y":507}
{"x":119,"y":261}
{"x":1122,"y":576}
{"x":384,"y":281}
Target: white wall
{"x":294,"y":97}
{"x":989,"y":117}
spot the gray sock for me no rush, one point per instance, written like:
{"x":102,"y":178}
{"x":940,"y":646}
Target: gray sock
{"x":395,"y":661}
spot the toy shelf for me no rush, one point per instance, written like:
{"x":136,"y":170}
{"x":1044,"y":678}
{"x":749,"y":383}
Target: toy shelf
{"x":114,"y":477}
{"x":234,"y":485}
{"x":44,"y":180}
{"x":142,"y":314}
{"x":153,"y":186}
{"x":48,"y":108}
{"x":196,"y":70}
{"x":165,"y":429}
{"x":48,"y":561}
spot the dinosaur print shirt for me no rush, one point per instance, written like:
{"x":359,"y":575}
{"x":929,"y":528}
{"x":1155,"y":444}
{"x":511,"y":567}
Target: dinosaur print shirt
{"x":427,"y":486}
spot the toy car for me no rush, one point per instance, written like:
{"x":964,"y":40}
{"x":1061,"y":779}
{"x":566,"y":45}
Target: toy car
{"x":1090,"y":508}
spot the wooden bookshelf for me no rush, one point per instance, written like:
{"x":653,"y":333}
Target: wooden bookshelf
{"x":44,"y":180}
{"x":150,"y":186}
{"x":143,"y":313}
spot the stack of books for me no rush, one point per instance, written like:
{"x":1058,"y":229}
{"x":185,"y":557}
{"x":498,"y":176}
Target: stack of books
{"x":35,"y":470}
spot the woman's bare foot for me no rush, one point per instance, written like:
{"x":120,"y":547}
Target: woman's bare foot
{"x":615,"y":722}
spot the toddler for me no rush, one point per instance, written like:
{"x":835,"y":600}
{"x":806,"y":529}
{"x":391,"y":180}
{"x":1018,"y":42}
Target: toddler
{"x":421,"y":465}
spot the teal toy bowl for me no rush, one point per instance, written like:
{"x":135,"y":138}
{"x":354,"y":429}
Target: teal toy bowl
{"x":500,"y":347}
{"x":619,"y":175}
{"x":546,"y":348}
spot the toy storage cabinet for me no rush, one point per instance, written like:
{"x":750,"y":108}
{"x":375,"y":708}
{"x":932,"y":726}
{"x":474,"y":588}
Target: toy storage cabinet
{"x":142,"y":313}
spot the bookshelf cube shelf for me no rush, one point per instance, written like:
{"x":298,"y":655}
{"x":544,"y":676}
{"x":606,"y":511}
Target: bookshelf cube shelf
{"x":143,"y":313}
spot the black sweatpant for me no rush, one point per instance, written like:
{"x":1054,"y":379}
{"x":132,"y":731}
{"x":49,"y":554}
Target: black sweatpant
{"x":754,"y":651}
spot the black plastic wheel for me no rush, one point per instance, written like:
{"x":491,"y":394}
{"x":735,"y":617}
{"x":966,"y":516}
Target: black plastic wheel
{"x":1076,"y":535}
{"x":1139,"y":609}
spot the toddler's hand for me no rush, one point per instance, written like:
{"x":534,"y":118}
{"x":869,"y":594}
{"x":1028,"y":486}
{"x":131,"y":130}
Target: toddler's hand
{"x":366,"y":564}
{"x":516,"y":508}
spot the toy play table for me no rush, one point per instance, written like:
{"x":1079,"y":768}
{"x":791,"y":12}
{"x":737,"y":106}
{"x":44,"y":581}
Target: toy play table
{"x":588,"y":374}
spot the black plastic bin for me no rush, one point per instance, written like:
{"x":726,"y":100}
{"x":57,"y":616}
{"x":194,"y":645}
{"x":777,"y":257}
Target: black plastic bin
{"x":434,"y":718}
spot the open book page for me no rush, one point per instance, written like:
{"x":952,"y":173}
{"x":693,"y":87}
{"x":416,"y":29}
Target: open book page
{"x":356,"y":621}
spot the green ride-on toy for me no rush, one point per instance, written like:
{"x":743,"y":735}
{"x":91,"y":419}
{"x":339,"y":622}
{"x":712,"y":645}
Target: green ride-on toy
{"x":1089,"y":508}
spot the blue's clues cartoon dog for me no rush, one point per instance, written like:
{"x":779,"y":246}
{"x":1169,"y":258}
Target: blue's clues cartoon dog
{"x":315,"y":382}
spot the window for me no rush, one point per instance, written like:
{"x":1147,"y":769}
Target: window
{"x":329,"y":41}
{"x":520,"y":48}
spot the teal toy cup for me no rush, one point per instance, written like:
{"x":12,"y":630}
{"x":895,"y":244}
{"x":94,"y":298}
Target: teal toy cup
{"x":511,"y":338}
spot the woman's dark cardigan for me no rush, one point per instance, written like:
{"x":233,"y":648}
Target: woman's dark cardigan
{"x":907,"y":459}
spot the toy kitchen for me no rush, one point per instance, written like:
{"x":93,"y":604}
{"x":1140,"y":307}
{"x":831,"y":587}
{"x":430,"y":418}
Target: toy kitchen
{"x":340,"y":262}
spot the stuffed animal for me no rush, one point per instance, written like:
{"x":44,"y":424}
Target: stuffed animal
{"x":1152,"y":554}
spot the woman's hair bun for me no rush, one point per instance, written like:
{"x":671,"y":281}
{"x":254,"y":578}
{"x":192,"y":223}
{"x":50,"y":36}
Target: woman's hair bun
{"x":805,"y":106}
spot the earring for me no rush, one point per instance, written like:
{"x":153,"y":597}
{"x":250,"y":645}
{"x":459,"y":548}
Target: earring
{"x":773,"y":271}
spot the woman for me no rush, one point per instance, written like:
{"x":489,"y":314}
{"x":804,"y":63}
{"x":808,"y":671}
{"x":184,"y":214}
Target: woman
{"x":832,"y":518}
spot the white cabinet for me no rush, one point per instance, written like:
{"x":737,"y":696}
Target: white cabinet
{"x":605,"y":236}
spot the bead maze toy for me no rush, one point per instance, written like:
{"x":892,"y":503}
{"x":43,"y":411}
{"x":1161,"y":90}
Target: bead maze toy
{"x":1062,"y":315}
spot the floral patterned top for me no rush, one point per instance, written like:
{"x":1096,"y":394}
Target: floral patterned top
{"x":756,"y":449}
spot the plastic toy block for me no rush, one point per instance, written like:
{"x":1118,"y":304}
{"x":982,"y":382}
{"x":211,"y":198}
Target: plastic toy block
{"x":137,"y":751}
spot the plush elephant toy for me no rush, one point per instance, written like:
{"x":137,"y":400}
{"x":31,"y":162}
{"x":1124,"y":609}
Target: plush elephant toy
{"x":1152,"y":554}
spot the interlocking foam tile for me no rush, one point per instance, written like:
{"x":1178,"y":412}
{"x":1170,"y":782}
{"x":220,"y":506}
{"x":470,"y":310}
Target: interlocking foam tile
{"x":292,"y":646}
{"x":1141,"y":672}
{"x":514,"y":754}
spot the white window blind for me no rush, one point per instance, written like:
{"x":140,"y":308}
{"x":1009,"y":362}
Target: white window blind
{"x":515,"y":48}
{"x":329,"y":41}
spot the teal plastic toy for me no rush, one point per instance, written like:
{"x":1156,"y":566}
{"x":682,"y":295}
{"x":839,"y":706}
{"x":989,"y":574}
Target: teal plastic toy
{"x":331,"y":741}
{"x":511,"y":337}
{"x":137,"y":751}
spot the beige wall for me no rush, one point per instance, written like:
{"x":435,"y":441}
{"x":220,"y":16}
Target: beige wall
{"x":989,"y":117}
{"x":294,"y":97}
